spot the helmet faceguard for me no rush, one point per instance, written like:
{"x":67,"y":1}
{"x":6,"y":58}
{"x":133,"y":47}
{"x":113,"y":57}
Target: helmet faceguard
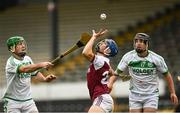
{"x":112,"y":47}
{"x":142,"y":36}
{"x":12,"y":43}
{"x":145,"y":38}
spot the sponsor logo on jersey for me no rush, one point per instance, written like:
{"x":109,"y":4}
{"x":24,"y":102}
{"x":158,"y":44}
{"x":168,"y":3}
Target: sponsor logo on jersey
{"x":25,"y":75}
{"x":143,"y":67}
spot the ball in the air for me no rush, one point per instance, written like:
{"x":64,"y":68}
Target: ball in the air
{"x":178,"y":78}
{"x":103,"y":16}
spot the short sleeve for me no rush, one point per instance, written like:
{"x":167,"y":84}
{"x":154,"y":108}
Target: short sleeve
{"x":161,"y":66}
{"x":99,"y":61}
{"x":11,"y":66}
{"x":123,"y":64}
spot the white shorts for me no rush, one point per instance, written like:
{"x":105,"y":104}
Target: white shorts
{"x":139,"y":101}
{"x":104,"y":101}
{"x":11,"y":106}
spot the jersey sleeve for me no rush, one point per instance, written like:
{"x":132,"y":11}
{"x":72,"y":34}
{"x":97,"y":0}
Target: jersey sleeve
{"x":123,"y":64}
{"x":98,"y":62}
{"x":11,"y":67}
{"x":162,"y":67}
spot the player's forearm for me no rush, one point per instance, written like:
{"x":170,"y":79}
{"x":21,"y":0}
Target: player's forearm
{"x":170,"y":83}
{"x":29,"y":68}
{"x":113,"y":79}
{"x":122,"y":76}
{"x":88,"y":51}
{"x":40,"y":77}
{"x":118,"y":72}
{"x":111,"y":82}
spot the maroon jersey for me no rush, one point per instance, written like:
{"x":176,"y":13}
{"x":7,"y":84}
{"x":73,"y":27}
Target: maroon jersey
{"x":97,"y":76}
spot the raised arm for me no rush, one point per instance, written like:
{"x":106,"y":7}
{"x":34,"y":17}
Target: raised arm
{"x":88,"y":49}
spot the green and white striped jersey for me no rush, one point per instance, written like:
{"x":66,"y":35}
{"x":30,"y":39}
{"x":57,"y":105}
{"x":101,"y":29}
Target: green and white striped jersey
{"x":18,"y":84}
{"x":143,"y":70}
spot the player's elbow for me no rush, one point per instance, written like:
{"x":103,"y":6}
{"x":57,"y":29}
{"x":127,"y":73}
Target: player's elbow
{"x":88,"y":55}
{"x":85,"y":53}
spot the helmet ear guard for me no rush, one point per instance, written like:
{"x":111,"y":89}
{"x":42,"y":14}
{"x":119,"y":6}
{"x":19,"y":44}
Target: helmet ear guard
{"x":112,"y":46}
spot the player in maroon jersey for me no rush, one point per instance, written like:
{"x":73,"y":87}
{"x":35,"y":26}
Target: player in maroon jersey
{"x":99,"y":72}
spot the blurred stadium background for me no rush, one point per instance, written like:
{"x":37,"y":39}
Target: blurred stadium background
{"x":50,"y":31}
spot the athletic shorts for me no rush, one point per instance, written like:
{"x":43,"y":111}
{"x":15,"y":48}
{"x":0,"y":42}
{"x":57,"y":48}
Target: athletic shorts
{"x":104,"y":101}
{"x":12,"y":106}
{"x":139,"y":101}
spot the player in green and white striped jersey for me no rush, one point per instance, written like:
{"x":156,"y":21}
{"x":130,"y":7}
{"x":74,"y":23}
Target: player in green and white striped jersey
{"x":143,"y":66}
{"x":19,"y":70}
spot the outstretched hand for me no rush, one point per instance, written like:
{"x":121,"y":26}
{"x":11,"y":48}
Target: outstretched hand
{"x":100,"y":33}
{"x":50,"y":77}
{"x":174,"y":98}
{"x":46,"y":64}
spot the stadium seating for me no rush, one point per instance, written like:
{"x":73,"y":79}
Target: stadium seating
{"x":31,"y":20}
{"x":161,"y":20}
